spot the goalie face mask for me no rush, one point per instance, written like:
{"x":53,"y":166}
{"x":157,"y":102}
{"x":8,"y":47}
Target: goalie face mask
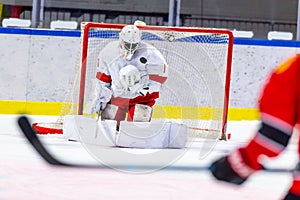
{"x":130,"y":47}
{"x":130,"y":37}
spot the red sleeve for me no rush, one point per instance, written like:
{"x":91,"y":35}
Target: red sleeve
{"x":280,"y":95}
{"x":279,"y":109}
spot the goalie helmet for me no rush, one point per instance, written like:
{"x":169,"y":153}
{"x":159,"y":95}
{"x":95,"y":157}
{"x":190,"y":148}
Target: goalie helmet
{"x":130,"y":38}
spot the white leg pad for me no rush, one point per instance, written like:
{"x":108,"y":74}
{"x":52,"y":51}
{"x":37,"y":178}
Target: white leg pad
{"x":178,"y":135}
{"x":109,"y":112}
{"x":69,"y":128}
{"x":152,"y":135}
{"x":88,"y":130}
{"x":142,"y":113}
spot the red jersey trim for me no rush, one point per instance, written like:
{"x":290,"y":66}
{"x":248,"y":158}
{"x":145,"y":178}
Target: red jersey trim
{"x":103,"y":77}
{"x":158,"y":78}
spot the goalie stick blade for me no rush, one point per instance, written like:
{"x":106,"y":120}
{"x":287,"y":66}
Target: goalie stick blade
{"x":33,"y":139}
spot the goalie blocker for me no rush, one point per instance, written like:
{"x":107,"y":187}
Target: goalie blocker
{"x":151,"y":135}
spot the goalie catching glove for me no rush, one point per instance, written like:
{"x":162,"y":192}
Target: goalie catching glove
{"x":130,"y":79}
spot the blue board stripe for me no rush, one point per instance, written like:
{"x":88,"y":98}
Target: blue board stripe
{"x":76,"y":33}
{"x":42,"y":32}
{"x":257,"y":42}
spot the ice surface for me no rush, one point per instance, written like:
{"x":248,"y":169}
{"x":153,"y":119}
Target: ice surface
{"x":24,"y":175}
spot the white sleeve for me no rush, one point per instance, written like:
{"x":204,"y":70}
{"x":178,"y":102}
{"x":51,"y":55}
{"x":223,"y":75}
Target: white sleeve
{"x":100,"y":92}
{"x":103,"y":74}
{"x":157,"y":70}
{"x":157,"y":65}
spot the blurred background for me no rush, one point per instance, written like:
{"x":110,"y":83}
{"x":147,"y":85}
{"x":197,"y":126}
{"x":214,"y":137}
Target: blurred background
{"x":253,"y":19}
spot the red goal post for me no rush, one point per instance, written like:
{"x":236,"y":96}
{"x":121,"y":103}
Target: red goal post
{"x":198,"y":84}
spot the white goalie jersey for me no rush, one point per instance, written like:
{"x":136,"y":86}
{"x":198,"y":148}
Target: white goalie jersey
{"x":143,"y":73}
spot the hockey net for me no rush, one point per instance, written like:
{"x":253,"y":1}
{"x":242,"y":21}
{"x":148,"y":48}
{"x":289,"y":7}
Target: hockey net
{"x":196,"y":92}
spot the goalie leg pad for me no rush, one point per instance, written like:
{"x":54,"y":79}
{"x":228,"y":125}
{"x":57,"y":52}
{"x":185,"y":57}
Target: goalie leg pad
{"x":69,"y":129}
{"x":177,"y":135}
{"x":110,"y":112}
{"x":89,"y":131}
{"x":141,"y":113}
{"x":152,"y":135}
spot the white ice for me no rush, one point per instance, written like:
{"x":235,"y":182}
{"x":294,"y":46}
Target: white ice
{"x":24,"y":175}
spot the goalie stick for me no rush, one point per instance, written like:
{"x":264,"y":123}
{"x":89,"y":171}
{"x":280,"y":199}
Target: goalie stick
{"x":33,"y":139}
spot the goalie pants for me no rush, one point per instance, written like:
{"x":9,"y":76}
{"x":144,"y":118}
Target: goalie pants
{"x":126,"y":105}
{"x":279,"y":106}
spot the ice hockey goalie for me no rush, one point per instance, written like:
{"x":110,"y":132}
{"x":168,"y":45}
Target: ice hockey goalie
{"x":130,"y":73}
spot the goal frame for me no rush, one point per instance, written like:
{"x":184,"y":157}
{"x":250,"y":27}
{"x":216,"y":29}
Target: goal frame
{"x":85,"y":42}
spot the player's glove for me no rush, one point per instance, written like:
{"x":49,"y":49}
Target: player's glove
{"x":222,"y":170}
{"x":291,"y":196}
{"x":231,"y":168}
{"x":101,"y":97}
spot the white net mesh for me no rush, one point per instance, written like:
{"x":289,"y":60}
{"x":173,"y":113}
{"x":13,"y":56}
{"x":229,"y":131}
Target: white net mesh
{"x":196,"y":91}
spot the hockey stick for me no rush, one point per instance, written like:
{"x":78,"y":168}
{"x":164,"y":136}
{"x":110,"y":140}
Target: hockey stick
{"x":33,"y":139}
